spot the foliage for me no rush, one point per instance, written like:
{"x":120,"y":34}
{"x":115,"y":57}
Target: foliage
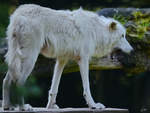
{"x":3,"y":66}
{"x":139,"y":24}
{"x":123,"y":20}
{"x":142,"y":22}
{"x":30,"y":90}
{"x":3,"y":18}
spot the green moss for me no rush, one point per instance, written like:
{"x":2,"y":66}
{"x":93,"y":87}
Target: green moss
{"x":142,"y":23}
{"x":135,"y":71}
{"x":120,"y":18}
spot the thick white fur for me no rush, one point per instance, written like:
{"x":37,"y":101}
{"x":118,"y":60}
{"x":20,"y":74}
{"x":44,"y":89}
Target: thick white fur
{"x":64,"y":35}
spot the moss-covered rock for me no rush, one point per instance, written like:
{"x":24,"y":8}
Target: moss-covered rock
{"x":137,"y":23}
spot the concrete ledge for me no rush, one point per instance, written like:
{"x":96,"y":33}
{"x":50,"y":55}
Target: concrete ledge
{"x":70,"y":110}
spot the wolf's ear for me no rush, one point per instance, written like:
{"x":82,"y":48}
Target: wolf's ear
{"x":113,"y":26}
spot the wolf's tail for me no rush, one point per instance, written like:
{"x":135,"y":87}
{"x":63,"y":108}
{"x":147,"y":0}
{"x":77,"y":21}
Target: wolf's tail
{"x":14,"y":54}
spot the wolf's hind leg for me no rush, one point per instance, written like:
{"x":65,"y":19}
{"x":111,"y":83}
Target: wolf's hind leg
{"x":6,"y":92}
{"x":27,"y":65}
{"x":18,"y":77}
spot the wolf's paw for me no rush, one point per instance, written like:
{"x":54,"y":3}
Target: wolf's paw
{"x":97,"y":106}
{"x":26,"y":107}
{"x":8,"y":108}
{"x":55,"y":106}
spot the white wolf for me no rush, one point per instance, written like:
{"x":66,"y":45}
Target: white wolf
{"x":65,"y":35}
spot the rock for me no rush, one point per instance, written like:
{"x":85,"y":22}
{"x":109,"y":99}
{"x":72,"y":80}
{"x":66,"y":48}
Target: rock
{"x":110,"y":12}
{"x":137,"y":24}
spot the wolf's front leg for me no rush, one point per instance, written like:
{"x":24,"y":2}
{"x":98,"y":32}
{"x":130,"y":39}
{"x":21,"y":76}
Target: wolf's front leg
{"x":84,"y":70}
{"x":59,"y":66}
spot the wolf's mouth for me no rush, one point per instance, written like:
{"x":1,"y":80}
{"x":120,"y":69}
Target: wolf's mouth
{"x":123,"y":58}
{"x":115,"y":55}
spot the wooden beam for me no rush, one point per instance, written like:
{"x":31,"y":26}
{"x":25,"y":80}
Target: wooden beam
{"x":70,"y":110}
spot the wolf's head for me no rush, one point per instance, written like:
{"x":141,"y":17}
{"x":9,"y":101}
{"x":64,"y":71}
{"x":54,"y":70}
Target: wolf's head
{"x":120,"y":35}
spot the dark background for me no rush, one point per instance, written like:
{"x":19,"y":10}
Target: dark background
{"x":61,"y":4}
{"x":114,"y":88}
